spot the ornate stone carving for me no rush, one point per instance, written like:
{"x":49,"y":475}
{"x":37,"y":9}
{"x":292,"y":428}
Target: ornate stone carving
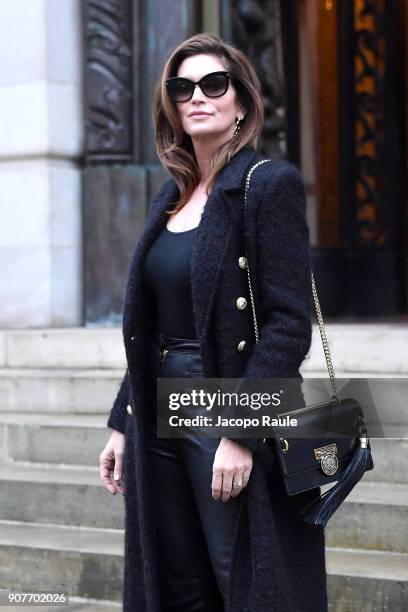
{"x":108,"y":78}
{"x":254,"y":27}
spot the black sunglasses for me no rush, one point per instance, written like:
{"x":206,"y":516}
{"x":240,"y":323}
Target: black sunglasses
{"x":213,"y":85}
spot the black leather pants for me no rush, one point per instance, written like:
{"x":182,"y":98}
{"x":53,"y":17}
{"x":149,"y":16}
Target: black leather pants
{"x":194,"y":531}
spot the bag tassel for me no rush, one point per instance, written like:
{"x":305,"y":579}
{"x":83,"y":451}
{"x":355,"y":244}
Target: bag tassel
{"x":319,"y":511}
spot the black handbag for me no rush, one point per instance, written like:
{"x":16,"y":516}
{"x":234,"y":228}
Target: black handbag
{"x":338,"y":452}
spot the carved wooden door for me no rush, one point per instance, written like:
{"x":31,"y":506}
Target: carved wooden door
{"x":352,"y":81}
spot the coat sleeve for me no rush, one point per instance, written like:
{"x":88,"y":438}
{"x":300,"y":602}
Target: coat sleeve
{"x":284,"y":282}
{"x":118,"y":414}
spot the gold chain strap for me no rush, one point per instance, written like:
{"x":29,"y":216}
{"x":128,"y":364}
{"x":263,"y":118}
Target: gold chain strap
{"x":323,"y":336}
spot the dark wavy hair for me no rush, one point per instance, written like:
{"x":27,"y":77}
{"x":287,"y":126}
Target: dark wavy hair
{"x":174,"y":147}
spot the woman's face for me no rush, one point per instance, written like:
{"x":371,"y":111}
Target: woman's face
{"x":219,"y":120}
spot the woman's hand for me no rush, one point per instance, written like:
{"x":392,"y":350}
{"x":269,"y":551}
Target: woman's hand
{"x":111,"y":463}
{"x":231,"y":469}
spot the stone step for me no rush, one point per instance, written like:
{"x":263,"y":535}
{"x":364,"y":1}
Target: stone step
{"x":92,"y":391}
{"x":59,"y":391}
{"x":102,"y":347}
{"x":351,"y":346}
{"x":79,"y":604}
{"x":78,"y":439}
{"x":86,"y":563}
{"x":76,"y":604}
{"x":366,"y":581}
{"x":69,"y":439}
{"x":373,"y":516}
{"x":79,"y":497}
{"x":76,"y":347}
{"x":390,"y":457}
{"x":386,"y":394}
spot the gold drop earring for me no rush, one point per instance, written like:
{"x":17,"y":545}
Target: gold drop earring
{"x":238,"y":122}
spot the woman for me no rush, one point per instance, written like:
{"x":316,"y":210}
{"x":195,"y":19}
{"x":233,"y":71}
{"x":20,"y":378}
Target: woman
{"x":208,"y":523}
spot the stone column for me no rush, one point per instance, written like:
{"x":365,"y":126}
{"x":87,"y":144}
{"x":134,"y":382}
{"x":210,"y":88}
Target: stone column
{"x":40,"y":146}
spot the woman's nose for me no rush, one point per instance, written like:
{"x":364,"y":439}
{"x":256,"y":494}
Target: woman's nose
{"x":197,"y":93}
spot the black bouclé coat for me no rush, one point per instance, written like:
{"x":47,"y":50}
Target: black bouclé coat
{"x":278,"y":560}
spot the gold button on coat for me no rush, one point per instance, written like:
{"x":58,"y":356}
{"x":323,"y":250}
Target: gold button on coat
{"x":241,"y":345}
{"x":129,"y":409}
{"x":241,"y":303}
{"x":242,"y":262}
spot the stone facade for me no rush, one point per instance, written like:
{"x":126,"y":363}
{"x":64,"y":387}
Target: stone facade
{"x":40,"y":177}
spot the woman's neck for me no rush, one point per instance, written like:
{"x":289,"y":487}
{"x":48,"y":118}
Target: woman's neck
{"x":205,"y":150}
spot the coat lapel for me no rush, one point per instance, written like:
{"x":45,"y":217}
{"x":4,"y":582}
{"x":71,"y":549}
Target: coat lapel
{"x":210,"y":244}
{"x":221,"y":211}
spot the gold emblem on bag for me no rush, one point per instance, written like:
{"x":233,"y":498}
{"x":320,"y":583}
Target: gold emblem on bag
{"x":327,"y":455}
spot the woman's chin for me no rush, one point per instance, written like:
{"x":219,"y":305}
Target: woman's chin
{"x":205,"y":134}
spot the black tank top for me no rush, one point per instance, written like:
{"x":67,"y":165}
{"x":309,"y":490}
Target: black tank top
{"x":167,"y":277}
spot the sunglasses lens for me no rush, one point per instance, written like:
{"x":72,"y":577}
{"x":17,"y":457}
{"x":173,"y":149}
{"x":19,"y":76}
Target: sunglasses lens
{"x":180,"y":90}
{"x":215,"y":85}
